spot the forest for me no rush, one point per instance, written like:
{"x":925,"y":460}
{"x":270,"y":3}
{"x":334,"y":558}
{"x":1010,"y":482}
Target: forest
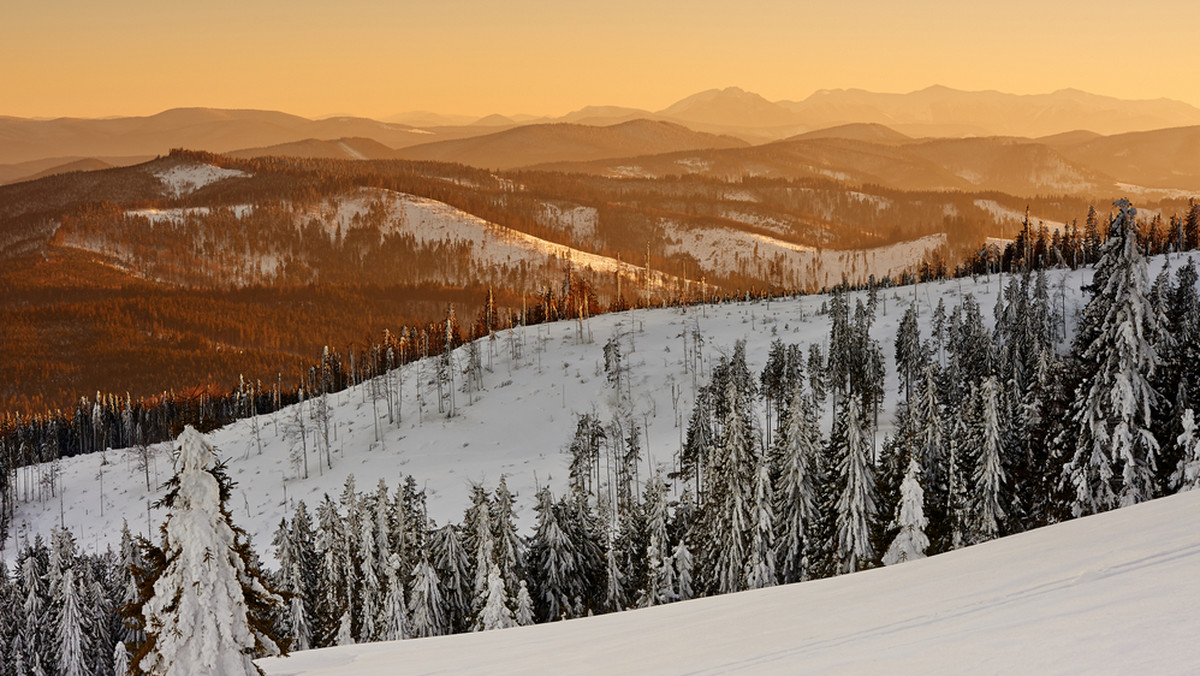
{"x":996,"y":432}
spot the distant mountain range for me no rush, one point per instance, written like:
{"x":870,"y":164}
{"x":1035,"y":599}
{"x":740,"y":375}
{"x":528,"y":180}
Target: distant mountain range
{"x":1165,"y":160}
{"x":542,"y":143}
{"x":1066,"y":140}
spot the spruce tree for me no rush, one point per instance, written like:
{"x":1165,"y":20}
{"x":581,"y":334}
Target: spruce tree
{"x":1187,"y":473}
{"x":856,"y":498}
{"x":425,"y":606}
{"x":987,"y":514}
{"x":796,"y":451}
{"x":910,"y":542}
{"x":495,"y":613}
{"x":205,"y":606}
{"x":760,"y":554}
{"x":69,"y":634}
{"x":394,"y":623}
{"x":524,"y":613}
{"x":453,"y":567}
{"x":1115,"y":451}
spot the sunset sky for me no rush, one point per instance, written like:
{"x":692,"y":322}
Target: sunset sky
{"x":376,"y":58}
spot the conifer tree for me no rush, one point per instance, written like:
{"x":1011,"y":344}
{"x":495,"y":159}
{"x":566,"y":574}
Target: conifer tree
{"x":510,"y":553}
{"x":1115,"y":451}
{"x":660,"y":575}
{"x":69,"y":632}
{"x":910,"y":542}
{"x":524,"y":613}
{"x":1187,"y":473}
{"x":495,"y":613}
{"x":731,"y":485}
{"x":987,"y":514}
{"x":453,"y":567}
{"x":760,"y":555}
{"x":683,"y":571}
{"x":120,"y":659}
{"x":425,"y":605}
{"x":395,"y":626}
{"x":206,"y":607}
{"x":796,"y":451}
{"x":552,"y":561}
{"x":856,"y":499}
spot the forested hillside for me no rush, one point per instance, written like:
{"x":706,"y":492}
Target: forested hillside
{"x":661,"y":455}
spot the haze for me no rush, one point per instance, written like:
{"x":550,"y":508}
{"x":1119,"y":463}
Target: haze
{"x":371,"y":58}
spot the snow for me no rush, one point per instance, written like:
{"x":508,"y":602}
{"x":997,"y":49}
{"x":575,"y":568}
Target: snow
{"x":1013,"y":218}
{"x":184,"y":179}
{"x":729,"y":251}
{"x":157,"y":216}
{"x":1107,"y":594}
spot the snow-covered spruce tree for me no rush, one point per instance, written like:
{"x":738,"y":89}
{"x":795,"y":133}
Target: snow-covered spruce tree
{"x":453,"y":567}
{"x":393,"y":623}
{"x":334,"y":604}
{"x":910,"y":353}
{"x":552,"y":562}
{"x":524,"y":613}
{"x":1187,"y":473}
{"x":479,"y":543}
{"x":70,"y":628}
{"x":425,"y":607}
{"x":987,"y":514}
{"x":731,"y":483}
{"x":510,"y":552}
{"x":795,"y":458}
{"x":614,"y":578}
{"x":1115,"y":451}
{"x":206,"y":608}
{"x":495,"y":613}
{"x":120,"y":659}
{"x":910,"y":542}
{"x":36,"y":650}
{"x":856,"y":498}
{"x":760,"y":554}
{"x":660,"y":576}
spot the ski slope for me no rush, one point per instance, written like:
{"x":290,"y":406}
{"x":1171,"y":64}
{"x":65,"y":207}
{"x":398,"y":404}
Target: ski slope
{"x":1108,"y":594}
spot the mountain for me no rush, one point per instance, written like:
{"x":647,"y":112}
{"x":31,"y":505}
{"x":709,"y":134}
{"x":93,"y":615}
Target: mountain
{"x":730,"y":107}
{"x":35,"y":169}
{"x":942,"y":111}
{"x":1076,"y":163}
{"x":856,"y":131}
{"x":1163,"y":158}
{"x":341,"y":149}
{"x":208,"y":129}
{"x":560,"y":142}
{"x":1041,"y":602}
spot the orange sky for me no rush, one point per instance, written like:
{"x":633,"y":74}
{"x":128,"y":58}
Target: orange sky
{"x":93,"y":58}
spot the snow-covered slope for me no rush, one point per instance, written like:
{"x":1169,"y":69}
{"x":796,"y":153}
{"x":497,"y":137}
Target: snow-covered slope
{"x":518,"y":425}
{"x":1109,"y":594}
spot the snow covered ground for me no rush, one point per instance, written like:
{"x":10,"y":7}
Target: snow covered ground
{"x":183,"y":179}
{"x":1108,"y":594}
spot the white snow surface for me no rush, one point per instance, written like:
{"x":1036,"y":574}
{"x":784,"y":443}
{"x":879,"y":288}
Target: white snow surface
{"x":1011,"y":218}
{"x":1108,"y":594}
{"x":184,"y":179}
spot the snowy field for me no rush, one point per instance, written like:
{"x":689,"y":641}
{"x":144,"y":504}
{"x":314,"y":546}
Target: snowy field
{"x":184,"y":179}
{"x":1108,"y":594}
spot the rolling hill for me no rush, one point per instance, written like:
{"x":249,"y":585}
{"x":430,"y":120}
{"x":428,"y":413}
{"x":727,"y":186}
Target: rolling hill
{"x":543,"y":143}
